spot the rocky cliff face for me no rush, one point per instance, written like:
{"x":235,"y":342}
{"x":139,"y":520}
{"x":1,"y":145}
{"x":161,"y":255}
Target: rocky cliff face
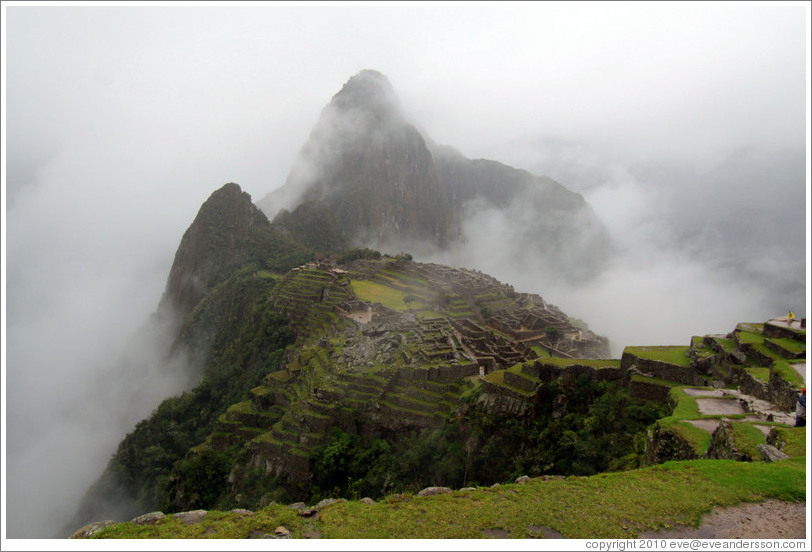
{"x":371,"y":167}
{"x":213,"y":242}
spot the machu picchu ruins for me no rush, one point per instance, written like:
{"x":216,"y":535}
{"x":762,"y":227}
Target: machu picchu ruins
{"x":387,"y":347}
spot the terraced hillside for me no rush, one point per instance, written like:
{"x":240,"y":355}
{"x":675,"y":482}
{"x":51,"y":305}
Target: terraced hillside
{"x":388,"y":347}
{"x":730,"y":394}
{"x":723,"y":405}
{"x":383,"y":350}
{"x":425,"y":374}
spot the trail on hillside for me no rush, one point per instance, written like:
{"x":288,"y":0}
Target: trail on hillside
{"x":771,"y":519}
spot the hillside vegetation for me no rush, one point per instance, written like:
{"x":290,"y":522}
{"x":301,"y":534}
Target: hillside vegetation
{"x":610,"y":505}
{"x":365,"y":376}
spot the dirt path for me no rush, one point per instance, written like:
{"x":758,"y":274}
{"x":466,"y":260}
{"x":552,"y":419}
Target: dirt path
{"x":771,"y":519}
{"x":800,"y":367}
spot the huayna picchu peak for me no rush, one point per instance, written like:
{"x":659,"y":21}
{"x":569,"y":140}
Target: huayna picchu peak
{"x":327,"y":370}
{"x":371,"y":168}
{"x":390,"y":187}
{"x":370,"y":91}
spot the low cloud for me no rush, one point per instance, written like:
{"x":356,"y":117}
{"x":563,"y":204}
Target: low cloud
{"x":121,"y":122}
{"x":87,"y":263}
{"x":685,"y":262}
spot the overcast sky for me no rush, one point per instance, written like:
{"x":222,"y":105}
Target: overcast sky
{"x":121,"y":120}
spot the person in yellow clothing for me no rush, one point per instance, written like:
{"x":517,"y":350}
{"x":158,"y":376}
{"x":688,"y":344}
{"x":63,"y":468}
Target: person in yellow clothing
{"x":790,"y":318}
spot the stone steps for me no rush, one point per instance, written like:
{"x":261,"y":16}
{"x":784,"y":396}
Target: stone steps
{"x":764,"y":410}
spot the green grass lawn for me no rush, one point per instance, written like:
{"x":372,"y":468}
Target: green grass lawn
{"x":788,"y":373}
{"x":497,"y":377}
{"x":608,"y":505}
{"x":728,"y":345}
{"x":760,"y":373}
{"x":594,"y":363}
{"x":541,"y":351}
{"x":749,"y":337}
{"x":794,"y":440}
{"x":375,"y":292}
{"x":657,"y":381}
{"x":675,"y":354}
{"x":791,"y":345}
{"x":747,"y":438}
{"x":697,"y":437}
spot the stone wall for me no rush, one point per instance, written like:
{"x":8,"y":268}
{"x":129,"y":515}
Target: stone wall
{"x":494,"y":389}
{"x":495,"y":398}
{"x":782,"y":393}
{"x":276,"y":460}
{"x":750,"y":385}
{"x":663,"y":370}
{"x":723,"y":446}
{"x":774,"y":330}
{"x":664,"y":444}
{"x":648,"y":391}
{"x":520,"y":382}
{"x":440,"y":374}
{"x":548,"y":372}
{"x":776,"y":348}
{"x":760,"y":357}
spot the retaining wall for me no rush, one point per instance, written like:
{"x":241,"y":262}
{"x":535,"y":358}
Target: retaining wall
{"x":663,"y":370}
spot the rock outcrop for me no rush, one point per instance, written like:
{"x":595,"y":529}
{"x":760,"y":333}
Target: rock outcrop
{"x":213,"y":241}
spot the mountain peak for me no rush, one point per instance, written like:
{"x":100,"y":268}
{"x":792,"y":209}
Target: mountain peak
{"x":368,"y":90}
{"x":212,"y":241}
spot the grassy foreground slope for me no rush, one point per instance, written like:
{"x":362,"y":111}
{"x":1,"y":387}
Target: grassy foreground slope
{"x":607,"y":505}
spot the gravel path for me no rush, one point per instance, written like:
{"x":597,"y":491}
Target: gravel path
{"x":771,"y":519}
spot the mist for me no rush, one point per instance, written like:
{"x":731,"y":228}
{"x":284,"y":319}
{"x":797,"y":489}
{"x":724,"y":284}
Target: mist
{"x":684,"y":126}
{"x":697,"y":251}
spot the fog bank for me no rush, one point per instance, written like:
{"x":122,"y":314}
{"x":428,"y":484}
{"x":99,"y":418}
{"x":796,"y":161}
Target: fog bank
{"x":121,"y":120}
